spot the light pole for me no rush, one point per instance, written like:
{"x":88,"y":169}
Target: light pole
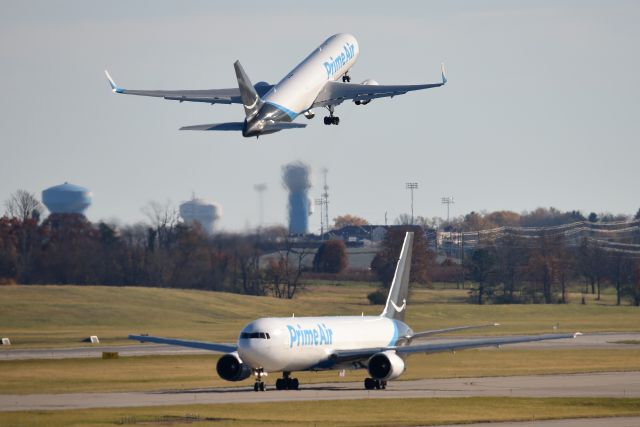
{"x":411,"y":186}
{"x":260,"y":188}
{"x":448,"y":201}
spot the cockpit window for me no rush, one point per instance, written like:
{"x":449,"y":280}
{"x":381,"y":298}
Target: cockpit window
{"x":251,"y":335}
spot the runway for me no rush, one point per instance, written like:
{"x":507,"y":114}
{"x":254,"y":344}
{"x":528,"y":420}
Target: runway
{"x":575,"y":422}
{"x":595,"y":340}
{"x":610,"y":384}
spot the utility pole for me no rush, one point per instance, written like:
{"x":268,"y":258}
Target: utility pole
{"x":260,"y":189}
{"x":411,"y":186}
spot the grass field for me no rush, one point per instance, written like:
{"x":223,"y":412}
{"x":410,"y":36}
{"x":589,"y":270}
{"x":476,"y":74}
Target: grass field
{"x":147,"y":373}
{"x":380,"y":412}
{"x":61,"y":316}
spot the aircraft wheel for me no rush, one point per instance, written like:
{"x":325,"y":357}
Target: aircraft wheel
{"x":335,"y":120}
{"x":383,"y":385}
{"x":256,"y":387}
{"x":294,"y":384}
{"x":280,"y":384}
{"x":327,"y":120}
{"x":369,"y":383}
{"x":262,"y":388}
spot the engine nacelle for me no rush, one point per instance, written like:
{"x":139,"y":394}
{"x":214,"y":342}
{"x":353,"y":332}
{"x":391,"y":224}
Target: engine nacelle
{"x":368,"y":82}
{"x":385,"y":366}
{"x":231,"y":368}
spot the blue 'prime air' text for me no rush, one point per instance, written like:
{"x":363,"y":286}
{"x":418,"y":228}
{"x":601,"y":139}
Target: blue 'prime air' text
{"x":306,"y":337}
{"x":333,"y":65}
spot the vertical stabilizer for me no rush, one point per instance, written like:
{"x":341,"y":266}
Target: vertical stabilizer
{"x":397,"y":299}
{"x":250,"y":98}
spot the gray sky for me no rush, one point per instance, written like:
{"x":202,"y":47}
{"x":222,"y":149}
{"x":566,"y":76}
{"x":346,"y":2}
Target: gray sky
{"x":541,"y":108}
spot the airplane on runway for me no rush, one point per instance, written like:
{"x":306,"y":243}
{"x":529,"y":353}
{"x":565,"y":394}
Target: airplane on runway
{"x":311,"y":84}
{"x":379,"y":344}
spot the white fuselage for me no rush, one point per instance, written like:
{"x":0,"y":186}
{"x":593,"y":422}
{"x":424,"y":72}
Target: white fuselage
{"x":297,"y":91}
{"x":306,"y":343}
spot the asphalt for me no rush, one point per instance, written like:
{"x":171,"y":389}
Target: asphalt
{"x":595,"y":340}
{"x":610,"y":384}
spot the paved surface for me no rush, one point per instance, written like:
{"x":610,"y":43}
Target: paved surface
{"x":578,"y":422}
{"x":597,"y":340}
{"x":626,"y":384}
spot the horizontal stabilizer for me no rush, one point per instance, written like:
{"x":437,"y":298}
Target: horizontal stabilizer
{"x":216,"y":126}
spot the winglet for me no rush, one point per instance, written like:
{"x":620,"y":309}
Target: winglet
{"x":114,"y":87}
{"x":577,"y":334}
{"x":444,"y":74}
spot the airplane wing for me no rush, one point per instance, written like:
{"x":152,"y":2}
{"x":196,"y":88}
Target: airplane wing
{"x":444,"y":331}
{"x":335,"y":93}
{"x":209,"y":96}
{"x":343,"y":356}
{"x":219,"y":348}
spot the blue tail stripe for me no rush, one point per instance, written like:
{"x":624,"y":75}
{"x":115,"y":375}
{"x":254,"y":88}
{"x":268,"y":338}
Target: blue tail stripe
{"x":290,"y":113}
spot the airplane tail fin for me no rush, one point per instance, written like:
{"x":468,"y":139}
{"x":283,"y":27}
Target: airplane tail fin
{"x":397,"y":299}
{"x":250,"y":98}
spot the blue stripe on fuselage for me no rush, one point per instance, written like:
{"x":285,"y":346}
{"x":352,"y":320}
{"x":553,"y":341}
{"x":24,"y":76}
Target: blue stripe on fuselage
{"x":289,"y":113}
{"x":395,"y":334}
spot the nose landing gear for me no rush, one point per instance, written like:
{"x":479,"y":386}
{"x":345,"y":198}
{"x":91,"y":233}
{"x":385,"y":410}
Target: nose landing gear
{"x":259,"y":384}
{"x":287,"y":383}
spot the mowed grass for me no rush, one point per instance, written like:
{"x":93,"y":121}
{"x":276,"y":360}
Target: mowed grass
{"x":367,"y":412}
{"x":147,"y":373}
{"x":61,"y":316}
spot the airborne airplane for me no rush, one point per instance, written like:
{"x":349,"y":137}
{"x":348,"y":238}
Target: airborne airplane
{"x":379,"y":344}
{"x":311,"y":84}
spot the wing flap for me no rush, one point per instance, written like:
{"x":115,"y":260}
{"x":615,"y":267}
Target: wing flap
{"x":217,"y":347}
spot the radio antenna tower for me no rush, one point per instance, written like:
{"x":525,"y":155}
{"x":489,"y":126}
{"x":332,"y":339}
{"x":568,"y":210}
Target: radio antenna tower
{"x":323,"y":202}
{"x":325,"y":196}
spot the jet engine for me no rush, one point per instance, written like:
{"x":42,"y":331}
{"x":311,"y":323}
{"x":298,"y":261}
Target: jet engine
{"x":368,"y":82}
{"x":385,"y":366}
{"x":231,"y":368}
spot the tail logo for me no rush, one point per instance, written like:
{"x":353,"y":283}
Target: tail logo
{"x":401,"y":308}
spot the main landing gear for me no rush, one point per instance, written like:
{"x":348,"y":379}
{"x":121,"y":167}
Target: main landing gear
{"x":331,"y":119}
{"x":287,"y":383}
{"x":346,"y":78}
{"x":370,"y":384}
{"x":259,"y":384}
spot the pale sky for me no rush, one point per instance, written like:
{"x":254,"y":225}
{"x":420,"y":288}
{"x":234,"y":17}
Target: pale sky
{"x":541,"y":108}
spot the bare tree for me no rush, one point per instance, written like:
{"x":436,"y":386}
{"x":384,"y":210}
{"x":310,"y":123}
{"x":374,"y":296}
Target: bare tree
{"x":164,"y":218}
{"x":24,"y":205}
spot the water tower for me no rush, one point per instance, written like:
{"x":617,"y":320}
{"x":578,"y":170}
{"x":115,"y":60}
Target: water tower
{"x":67,"y":198}
{"x":202,"y":212}
{"x":296,"y":177}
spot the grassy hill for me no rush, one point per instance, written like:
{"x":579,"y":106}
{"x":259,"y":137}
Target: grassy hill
{"x":43,"y":316}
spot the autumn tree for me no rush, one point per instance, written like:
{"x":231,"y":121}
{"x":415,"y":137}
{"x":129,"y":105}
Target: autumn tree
{"x":331,"y":257}
{"x":481,"y":267}
{"x":345,"y":220}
